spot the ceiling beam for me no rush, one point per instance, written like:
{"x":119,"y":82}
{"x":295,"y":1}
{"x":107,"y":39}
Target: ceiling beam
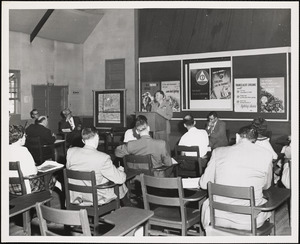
{"x":40,"y":24}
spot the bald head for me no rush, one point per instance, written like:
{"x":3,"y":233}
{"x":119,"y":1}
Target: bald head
{"x":189,"y":121}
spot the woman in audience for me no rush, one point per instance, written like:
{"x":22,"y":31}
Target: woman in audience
{"x":17,"y":152}
{"x":262,"y":140}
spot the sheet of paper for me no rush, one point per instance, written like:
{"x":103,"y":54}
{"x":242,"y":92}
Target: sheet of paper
{"x":174,"y":161}
{"x":66,"y":130}
{"x":49,"y":165}
{"x":190,"y":182}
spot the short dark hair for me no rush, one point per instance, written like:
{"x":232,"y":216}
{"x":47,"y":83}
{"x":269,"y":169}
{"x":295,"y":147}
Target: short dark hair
{"x":213,"y":113}
{"x":260,"y":125}
{"x":188,"y":120}
{"x":161,"y":92}
{"x":141,"y":117}
{"x":88,"y":132}
{"x":141,"y":124}
{"x":248,"y":132}
{"x":16,"y":132}
{"x":32,"y":112}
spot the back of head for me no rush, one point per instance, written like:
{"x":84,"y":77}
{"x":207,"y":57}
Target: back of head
{"x":88,"y":133}
{"x":259,"y":124}
{"x":188,"y":121}
{"x":41,"y":120}
{"x":249,"y":133}
{"x":16,"y":132}
{"x":141,"y":124}
{"x":141,"y":117}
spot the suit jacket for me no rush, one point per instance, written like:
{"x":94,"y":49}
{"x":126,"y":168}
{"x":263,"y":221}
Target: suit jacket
{"x":63,"y":124}
{"x":89,"y":159}
{"x":44,"y":133}
{"x":243,"y":164}
{"x":218,"y":136}
{"x":146,"y":145}
{"x":73,"y":138}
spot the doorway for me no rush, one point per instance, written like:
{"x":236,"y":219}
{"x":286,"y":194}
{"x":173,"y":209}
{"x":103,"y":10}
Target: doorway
{"x":50,"y":100}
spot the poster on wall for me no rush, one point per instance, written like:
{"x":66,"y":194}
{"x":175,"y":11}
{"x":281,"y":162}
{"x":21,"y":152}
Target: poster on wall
{"x":200,"y":79}
{"x":209,"y":86}
{"x":245,"y":95}
{"x":172,"y":93}
{"x":272,"y":95}
{"x":148,"y":90}
{"x":220,"y":83}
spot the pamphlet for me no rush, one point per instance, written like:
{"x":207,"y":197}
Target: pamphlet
{"x":49,"y":165}
{"x":190,"y":182}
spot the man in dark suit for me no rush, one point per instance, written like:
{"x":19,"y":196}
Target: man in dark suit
{"x":71,"y":126}
{"x":39,"y":129}
{"x":216,"y":130}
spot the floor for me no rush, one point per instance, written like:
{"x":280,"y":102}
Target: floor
{"x":15,"y":227}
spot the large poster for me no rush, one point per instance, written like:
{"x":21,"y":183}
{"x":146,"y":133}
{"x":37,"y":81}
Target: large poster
{"x":245,"y":95}
{"x":172,"y":93}
{"x":147,"y":90}
{"x":272,"y":95}
{"x":209,"y":86}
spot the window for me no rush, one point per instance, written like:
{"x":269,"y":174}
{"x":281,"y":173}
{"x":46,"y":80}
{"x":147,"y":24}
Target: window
{"x":14,"y":90}
{"x":115,"y":74}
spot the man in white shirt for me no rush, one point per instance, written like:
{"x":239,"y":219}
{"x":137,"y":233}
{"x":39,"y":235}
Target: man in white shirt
{"x":195,"y":137}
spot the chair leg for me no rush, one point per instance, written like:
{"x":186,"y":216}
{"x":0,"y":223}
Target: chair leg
{"x":27,"y":223}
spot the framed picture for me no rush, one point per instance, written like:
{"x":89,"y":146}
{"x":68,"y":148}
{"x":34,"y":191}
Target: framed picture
{"x":109,"y":109}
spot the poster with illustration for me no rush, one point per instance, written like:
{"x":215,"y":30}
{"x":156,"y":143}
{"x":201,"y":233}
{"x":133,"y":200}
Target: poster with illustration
{"x":148,"y":90}
{"x":272,"y":95}
{"x":172,"y":93}
{"x":220,"y":83}
{"x":200,"y":79}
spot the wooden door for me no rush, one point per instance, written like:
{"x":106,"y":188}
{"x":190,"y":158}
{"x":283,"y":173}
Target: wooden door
{"x":50,"y":100}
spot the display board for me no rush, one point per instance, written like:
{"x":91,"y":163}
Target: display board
{"x":109,"y":109}
{"x":256,"y":84}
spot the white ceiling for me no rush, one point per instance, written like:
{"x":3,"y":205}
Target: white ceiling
{"x":66,"y":25}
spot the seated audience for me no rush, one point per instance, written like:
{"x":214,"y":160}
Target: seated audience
{"x":146,"y":145}
{"x":71,"y":125}
{"x":195,"y":137}
{"x":243,"y":164}
{"x":40,"y":129}
{"x":34,"y":114}
{"x":17,"y":152}
{"x":216,"y":130}
{"x":131,"y":134}
{"x":89,"y":158}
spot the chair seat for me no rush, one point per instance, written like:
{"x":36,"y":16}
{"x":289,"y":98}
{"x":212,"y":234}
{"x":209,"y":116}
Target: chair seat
{"x":172,"y":215}
{"x":265,"y":229}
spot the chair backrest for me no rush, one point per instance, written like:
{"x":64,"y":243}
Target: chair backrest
{"x":59,"y":216}
{"x":188,"y":165}
{"x":139,"y":164}
{"x":245,"y":193}
{"x":158,"y":195}
{"x":90,"y":187}
{"x":17,"y":180}
{"x":39,"y":152}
